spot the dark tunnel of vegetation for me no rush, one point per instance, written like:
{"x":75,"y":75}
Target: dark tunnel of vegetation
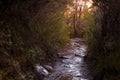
{"x":33,"y":30}
{"x":104,"y":47}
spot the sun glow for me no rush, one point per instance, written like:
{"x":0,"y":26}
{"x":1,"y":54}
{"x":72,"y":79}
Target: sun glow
{"x":85,"y":3}
{"x":89,"y":3}
{"x":79,"y":5}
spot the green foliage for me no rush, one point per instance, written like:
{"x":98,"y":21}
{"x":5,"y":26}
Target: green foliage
{"x":105,"y":49}
{"x":88,"y":28}
{"x":53,"y":34}
{"x":30,"y":31}
{"x":88,"y":25}
{"x":52,"y":26}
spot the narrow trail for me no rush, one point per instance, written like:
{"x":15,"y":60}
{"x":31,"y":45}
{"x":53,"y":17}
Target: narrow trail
{"x":72,"y":66}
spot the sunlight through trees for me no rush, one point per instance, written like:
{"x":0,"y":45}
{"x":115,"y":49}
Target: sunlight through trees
{"x":75,"y":12}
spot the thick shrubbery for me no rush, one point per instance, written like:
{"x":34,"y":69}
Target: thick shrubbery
{"x":30,"y":31}
{"x":105,"y":50}
{"x":53,"y":33}
{"x":88,"y":25}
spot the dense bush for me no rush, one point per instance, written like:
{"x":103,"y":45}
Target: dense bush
{"x":52,"y":34}
{"x":106,"y":50}
{"x":88,"y":25}
{"x":29,"y":32}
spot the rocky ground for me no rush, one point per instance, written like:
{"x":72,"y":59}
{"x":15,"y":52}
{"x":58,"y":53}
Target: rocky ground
{"x":71,"y":65}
